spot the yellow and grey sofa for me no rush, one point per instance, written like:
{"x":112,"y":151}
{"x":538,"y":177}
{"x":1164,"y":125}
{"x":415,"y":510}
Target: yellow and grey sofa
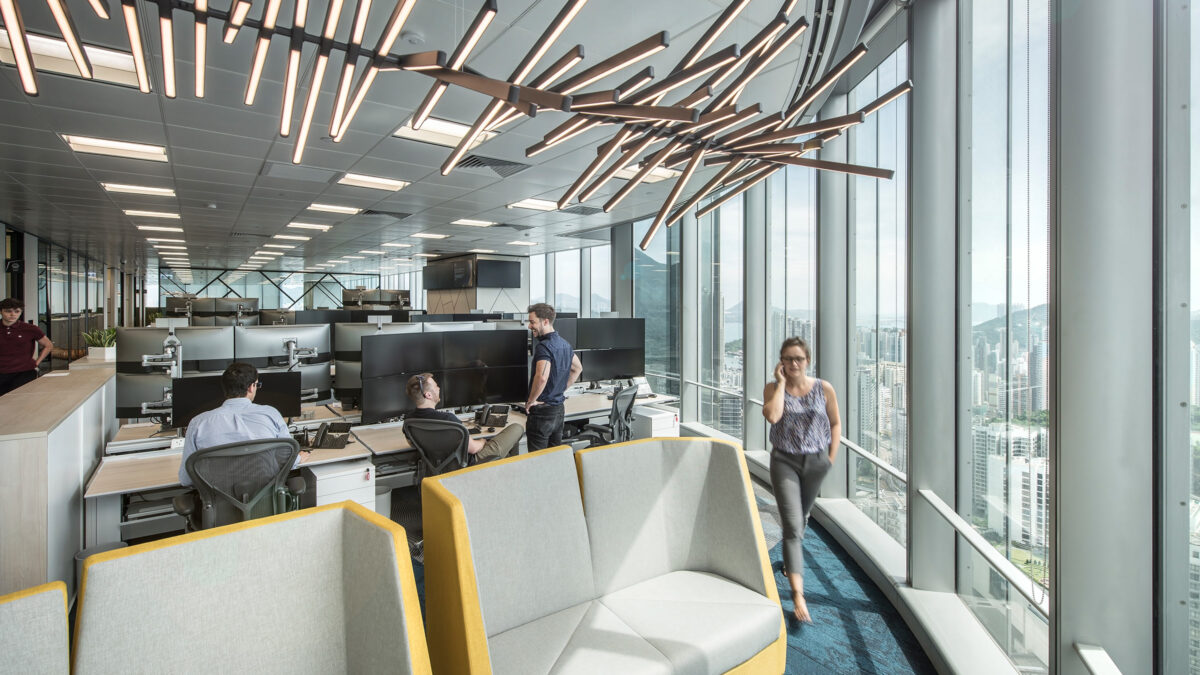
{"x":33,"y":630}
{"x":322,"y":590}
{"x":640,"y":557}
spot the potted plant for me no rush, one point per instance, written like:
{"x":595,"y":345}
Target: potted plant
{"x":102,"y":344}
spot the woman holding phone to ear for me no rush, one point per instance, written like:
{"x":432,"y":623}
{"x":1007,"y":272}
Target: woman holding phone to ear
{"x":805,"y":430}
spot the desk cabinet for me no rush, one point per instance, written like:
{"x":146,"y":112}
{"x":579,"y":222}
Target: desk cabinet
{"x":332,"y":483}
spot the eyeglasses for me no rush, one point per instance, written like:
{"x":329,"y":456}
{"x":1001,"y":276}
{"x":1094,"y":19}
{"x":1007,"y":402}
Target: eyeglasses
{"x":258,"y":384}
{"x":793,"y":359}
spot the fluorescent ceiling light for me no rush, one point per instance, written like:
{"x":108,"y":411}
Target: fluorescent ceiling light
{"x":324,"y":265}
{"x":310,"y":226}
{"x":442,"y":132}
{"x":172,"y":241}
{"x":355,"y":257}
{"x":656,"y":174}
{"x":52,"y":55}
{"x":473,"y":223}
{"x":534,"y":204}
{"x":159,"y":228}
{"x":104,"y":146}
{"x":293,"y":237}
{"x":268,"y":253}
{"x":278,"y":246}
{"x":425,"y":255}
{"x":170,"y":246}
{"x":373,"y":182}
{"x":367,"y":250}
{"x":522,"y":243}
{"x":481,"y":250}
{"x":135,"y":213}
{"x":428,"y":235}
{"x":397,"y":245}
{"x":334,"y":208}
{"x":138,"y":189}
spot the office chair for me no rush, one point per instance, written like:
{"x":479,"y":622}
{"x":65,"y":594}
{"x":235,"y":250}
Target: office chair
{"x":620,"y":419}
{"x":240,"y":481}
{"x":441,"y":444}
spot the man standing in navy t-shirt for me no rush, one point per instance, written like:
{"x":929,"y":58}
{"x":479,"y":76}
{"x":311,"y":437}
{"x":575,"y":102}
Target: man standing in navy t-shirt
{"x":17,"y":338}
{"x":555,"y":367}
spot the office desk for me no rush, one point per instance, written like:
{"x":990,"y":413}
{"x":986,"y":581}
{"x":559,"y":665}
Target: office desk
{"x":154,"y":470}
{"x":388,"y":439}
{"x":141,"y":436}
{"x":585,"y":405}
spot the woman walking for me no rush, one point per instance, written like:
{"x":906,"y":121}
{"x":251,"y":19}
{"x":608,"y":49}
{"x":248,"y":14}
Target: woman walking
{"x":805,"y":430}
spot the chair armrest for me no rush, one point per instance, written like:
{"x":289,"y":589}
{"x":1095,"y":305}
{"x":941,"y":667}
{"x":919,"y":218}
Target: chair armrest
{"x":600,"y":428}
{"x":297,"y":485}
{"x":184,"y":504}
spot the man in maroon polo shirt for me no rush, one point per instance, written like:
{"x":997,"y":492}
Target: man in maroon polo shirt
{"x":17,"y":365}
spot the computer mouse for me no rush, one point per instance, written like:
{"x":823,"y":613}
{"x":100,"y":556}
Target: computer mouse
{"x":491,"y":429}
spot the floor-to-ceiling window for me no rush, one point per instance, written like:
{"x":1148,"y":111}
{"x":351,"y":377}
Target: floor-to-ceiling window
{"x":566,"y":281}
{"x":537,"y":278}
{"x":721,"y":333}
{"x":656,"y":298}
{"x":601,"y":280}
{"x":1005,"y":336}
{"x":874,"y":409}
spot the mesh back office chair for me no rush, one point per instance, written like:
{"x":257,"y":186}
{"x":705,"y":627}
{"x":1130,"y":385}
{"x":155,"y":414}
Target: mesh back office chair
{"x":240,"y":481}
{"x":441,"y":444}
{"x":620,"y":419}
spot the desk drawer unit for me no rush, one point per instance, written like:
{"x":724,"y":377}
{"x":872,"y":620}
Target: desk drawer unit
{"x":339,"y":481}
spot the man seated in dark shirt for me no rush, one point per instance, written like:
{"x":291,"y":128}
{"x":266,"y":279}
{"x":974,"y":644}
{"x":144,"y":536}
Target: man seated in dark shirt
{"x":425,"y":393}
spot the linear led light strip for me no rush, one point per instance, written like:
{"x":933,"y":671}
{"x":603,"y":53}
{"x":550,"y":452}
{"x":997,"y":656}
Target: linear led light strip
{"x":270,"y":15}
{"x":201,"y":40}
{"x":581,"y":123}
{"x":348,"y":64}
{"x":66,"y":26}
{"x":293,"y":68}
{"x":754,"y":68}
{"x":391,"y":32}
{"x":825,"y":82}
{"x":314,"y":87}
{"x":675,"y":191}
{"x":606,"y":152}
{"x":551,"y":74}
{"x":555,"y":29}
{"x":237,"y":15}
{"x":166,"y":31}
{"x":640,"y":176}
{"x":129,"y":11}
{"x":15,"y":27}
{"x":459,"y":58}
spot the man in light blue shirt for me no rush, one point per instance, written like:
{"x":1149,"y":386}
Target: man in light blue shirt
{"x":238,"y":419}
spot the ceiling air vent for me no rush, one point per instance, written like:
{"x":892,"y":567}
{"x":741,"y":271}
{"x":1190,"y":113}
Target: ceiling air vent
{"x":500,"y":167}
{"x":581,"y":210}
{"x":251,"y":235}
{"x":390,"y":214}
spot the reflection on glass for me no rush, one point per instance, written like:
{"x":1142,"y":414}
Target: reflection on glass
{"x":876,"y":406}
{"x":1020,"y":630}
{"x":656,"y":297}
{"x":879,"y":495}
{"x":537,"y":278}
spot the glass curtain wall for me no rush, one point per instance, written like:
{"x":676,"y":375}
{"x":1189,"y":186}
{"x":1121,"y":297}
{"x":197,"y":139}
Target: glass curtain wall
{"x":721,"y":333}
{"x":875,"y":411}
{"x":657,"y":280}
{"x":566,"y":281}
{"x":537,"y":278}
{"x":601,"y":280}
{"x":69,"y":301}
{"x":1006,"y":406}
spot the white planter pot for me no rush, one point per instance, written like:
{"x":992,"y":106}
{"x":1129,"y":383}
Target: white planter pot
{"x":102,"y":353}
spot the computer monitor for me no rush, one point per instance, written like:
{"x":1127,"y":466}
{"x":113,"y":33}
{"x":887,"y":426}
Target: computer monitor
{"x":384,"y":397}
{"x":566,"y":330}
{"x":265,"y":346}
{"x":495,"y":349}
{"x":347,"y":337}
{"x":232,"y":305}
{"x":135,"y":389}
{"x":480,"y":386}
{"x":451,"y":326}
{"x":389,"y":354}
{"x":233,"y":320}
{"x":271,"y":317}
{"x":326,"y":316}
{"x":610,"y":333}
{"x":204,"y":348}
{"x":612,"y":364}
{"x":191,"y":396}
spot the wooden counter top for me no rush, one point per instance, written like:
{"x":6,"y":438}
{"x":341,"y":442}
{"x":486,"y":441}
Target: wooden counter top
{"x":36,"y":408}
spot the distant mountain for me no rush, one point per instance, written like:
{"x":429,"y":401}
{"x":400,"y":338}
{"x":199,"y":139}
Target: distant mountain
{"x":994,"y":329}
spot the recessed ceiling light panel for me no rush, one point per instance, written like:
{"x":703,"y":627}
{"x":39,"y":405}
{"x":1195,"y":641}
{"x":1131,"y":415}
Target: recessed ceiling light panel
{"x":373,"y":182}
{"x":442,"y":132}
{"x":334,"y":208}
{"x":473,"y":223}
{"x":535,"y":204}
{"x":138,"y":189}
{"x":104,"y":146}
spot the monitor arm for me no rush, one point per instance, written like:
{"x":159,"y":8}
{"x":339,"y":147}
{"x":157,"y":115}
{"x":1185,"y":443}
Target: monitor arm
{"x":294,"y":353}
{"x":309,"y":394}
{"x":171,"y":357}
{"x":163,"y":407}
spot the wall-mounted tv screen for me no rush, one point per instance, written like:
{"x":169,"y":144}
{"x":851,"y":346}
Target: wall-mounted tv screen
{"x":497,"y":274}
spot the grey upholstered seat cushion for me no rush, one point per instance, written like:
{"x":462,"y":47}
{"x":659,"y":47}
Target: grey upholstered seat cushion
{"x":587,"y":638}
{"x":529,"y":541}
{"x":665,"y":505}
{"x":33,"y":633}
{"x":703,"y":623}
